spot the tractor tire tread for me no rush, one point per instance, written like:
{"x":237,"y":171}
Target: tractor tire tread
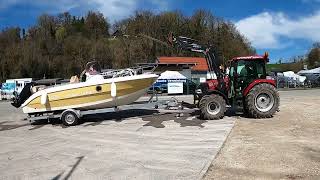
{"x":252,"y":111}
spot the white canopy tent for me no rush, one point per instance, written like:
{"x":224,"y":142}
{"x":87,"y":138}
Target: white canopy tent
{"x":174,"y":81}
{"x":171,"y":75}
{"x":310,"y":71}
{"x":293,"y":76}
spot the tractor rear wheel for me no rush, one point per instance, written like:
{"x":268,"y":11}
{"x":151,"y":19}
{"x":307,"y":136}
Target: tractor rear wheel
{"x":212,"y":107}
{"x":262,"y":101}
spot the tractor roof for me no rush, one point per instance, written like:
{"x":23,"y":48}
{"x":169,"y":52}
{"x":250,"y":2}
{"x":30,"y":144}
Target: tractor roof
{"x":255,"y":57}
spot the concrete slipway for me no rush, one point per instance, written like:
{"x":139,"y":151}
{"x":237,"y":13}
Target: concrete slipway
{"x":133,"y":144}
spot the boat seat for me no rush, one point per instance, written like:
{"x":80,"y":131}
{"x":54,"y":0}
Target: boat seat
{"x":35,"y":89}
{"x":95,"y":78}
{"x":74,"y":79}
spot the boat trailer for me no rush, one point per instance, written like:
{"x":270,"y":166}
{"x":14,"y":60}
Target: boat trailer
{"x":72,"y":117}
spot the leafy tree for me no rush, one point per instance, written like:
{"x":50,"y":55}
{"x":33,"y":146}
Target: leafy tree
{"x":60,"y":34}
{"x":96,"y":25}
{"x":60,"y":46}
{"x":314,"y":56}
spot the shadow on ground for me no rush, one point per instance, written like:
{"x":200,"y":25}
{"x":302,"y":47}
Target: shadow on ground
{"x":153,"y":118}
{"x":5,"y":126}
{"x":74,"y":167}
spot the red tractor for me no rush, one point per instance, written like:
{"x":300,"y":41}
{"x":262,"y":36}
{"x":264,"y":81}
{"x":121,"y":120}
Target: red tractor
{"x":246,"y":85}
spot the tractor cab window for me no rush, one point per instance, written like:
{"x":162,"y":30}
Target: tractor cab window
{"x":231,"y":72}
{"x":251,"y":69}
{"x":232,"y":69}
{"x":261,"y":70}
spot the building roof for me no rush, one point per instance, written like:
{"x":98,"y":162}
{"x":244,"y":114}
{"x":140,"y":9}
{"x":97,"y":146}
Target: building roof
{"x":200,"y":63}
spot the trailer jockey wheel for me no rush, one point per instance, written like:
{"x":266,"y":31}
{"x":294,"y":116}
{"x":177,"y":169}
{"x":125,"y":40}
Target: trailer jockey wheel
{"x":69,"y":118}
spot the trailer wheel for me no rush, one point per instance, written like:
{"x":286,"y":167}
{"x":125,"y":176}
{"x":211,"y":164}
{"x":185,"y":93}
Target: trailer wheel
{"x":212,"y":106}
{"x":262,"y":101}
{"x":69,"y":118}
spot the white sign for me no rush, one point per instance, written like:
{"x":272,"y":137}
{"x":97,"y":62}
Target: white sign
{"x":203,"y":80}
{"x":175,"y":88}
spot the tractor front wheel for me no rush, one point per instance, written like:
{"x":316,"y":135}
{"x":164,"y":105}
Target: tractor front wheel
{"x":212,"y":107}
{"x":262,"y":101}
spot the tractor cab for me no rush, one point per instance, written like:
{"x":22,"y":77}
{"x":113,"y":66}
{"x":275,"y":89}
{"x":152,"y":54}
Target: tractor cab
{"x":244,"y":71}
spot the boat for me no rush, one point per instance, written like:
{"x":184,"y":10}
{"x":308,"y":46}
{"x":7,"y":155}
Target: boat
{"x":97,"y":91}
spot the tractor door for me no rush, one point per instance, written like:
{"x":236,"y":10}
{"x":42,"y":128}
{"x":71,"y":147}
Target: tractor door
{"x":247,"y":72}
{"x":232,"y":82}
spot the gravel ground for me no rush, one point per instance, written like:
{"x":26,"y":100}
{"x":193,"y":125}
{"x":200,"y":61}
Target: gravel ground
{"x":286,"y":146}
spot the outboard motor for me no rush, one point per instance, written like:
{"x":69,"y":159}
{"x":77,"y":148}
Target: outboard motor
{"x":18,"y":100}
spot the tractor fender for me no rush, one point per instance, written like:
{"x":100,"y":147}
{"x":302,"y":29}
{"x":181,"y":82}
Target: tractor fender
{"x":219,"y":93}
{"x":255,"y":82}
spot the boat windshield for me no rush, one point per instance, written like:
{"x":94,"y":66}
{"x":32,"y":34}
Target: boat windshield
{"x":93,"y":68}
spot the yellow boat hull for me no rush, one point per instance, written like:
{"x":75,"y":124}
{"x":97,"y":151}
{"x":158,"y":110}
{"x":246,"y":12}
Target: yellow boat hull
{"x":87,"y":96}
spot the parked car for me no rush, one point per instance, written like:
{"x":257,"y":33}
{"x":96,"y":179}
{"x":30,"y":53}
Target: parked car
{"x":164,"y":88}
{"x":154,"y":89}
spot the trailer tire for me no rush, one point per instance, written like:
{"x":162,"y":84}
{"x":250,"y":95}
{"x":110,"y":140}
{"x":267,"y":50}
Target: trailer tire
{"x":212,"y":107}
{"x":262,"y":101}
{"x":69,"y":118}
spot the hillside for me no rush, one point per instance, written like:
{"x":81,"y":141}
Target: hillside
{"x":285,"y":67}
{"x":60,"y":46}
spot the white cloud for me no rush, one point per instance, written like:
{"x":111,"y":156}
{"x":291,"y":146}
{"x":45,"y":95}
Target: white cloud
{"x":118,"y":9}
{"x":266,"y":30}
{"x":113,"y":9}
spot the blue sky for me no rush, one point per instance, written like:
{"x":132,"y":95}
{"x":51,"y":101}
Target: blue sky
{"x":284,"y":28}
